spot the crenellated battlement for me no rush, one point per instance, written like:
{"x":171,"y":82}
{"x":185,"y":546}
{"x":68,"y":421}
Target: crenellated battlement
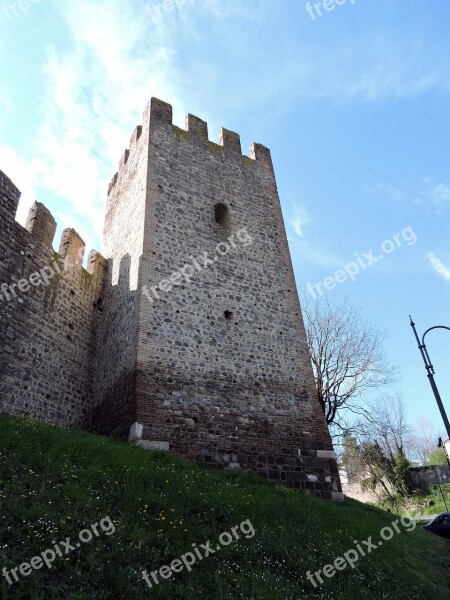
{"x":197,"y":129}
{"x":231,"y":142}
{"x":158,"y":118}
{"x":124,"y":159}
{"x":72,"y":247}
{"x":40,"y":224}
{"x":9,"y":198}
{"x":136,"y":135}
{"x":40,"y":228}
{"x":180,"y":368}
{"x":49,"y":310}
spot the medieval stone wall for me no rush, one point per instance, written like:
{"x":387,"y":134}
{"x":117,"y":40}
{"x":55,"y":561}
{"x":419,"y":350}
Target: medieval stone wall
{"x":123,"y":245}
{"x":47,"y":317}
{"x":423,"y":477}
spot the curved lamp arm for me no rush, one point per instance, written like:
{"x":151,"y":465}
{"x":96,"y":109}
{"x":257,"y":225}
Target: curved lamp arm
{"x":423,"y":343}
{"x":430,"y":371}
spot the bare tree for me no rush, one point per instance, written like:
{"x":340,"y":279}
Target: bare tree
{"x":380,"y":446}
{"x":385,"y":424}
{"x":347,"y":357}
{"x":423,"y":442}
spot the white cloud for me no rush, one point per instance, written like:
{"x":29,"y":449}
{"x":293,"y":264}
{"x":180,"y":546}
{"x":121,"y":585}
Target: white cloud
{"x":425,"y":192}
{"x":122,"y":55}
{"x":299,"y":220}
{"x":439,"y":194}
{"x":441,"y":269}
{"x":5,"y":107}
{"x":367,"y":66}
{"x":318,"y":257}
{"x":308,"y":248}
{"x":94,"y":97}
{"x":23,"y":174}
{"x":5,"y":102}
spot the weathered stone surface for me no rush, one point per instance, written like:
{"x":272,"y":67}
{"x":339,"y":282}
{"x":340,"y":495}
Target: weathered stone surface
{"x":337,"y":496}
{"x":213,"y":362}
{"x":136,"y":431}
{"x":48,"y":330}
{"x":326,"y":454}
{"x":422,"y":477}
{"x":152,"y":445}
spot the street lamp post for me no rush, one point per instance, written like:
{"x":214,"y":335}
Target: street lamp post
{"x":430,"y":371}
{"x":446,"y":446}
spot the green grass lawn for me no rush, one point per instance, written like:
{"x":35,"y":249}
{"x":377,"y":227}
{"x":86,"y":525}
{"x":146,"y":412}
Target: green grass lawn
{"x":55,"y":482}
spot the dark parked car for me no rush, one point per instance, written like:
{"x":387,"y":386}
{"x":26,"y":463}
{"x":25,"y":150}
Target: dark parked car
{"x":440,"y":525}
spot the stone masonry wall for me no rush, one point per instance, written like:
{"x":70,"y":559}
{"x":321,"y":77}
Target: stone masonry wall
{"x":123,"y":245}
{"x":422,"y":477}
{"x":47,"y":332}
{"x":223,"y":373}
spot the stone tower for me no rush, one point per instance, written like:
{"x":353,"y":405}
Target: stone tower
{"x":201,"y":347}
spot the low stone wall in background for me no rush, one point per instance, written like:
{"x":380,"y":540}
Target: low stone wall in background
{"x":422,"y":477}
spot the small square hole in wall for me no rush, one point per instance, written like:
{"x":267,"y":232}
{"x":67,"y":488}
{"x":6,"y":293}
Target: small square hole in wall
{"x":222,"y":215}
{"x":228,"y":314}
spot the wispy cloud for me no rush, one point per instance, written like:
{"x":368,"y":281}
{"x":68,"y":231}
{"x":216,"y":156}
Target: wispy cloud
{"x":366,"y":67}
{"x":299,"y":220}
{"x":95,"y":93}
{"x":5,"y":102}
{"x":426,"y":192}
{"x":23,"y":171}
{"x":119,"y":55}
{"x":94,"y":96}
{"x":5,"y":107}
{"x":437,"y":264}
{"x":437,"y":193}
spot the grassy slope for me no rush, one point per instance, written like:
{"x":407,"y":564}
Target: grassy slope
{"x":55,"y":482}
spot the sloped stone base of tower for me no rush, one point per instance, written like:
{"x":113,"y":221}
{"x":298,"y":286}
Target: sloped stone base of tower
{"x":267,"y":432}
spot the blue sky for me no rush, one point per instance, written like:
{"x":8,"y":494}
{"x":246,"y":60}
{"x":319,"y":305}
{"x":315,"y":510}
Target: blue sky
{"x":354,"y":105}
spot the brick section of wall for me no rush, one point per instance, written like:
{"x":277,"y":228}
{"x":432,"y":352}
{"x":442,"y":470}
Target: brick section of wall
{"x":48,"y":332}
{"x":234,"y":392}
